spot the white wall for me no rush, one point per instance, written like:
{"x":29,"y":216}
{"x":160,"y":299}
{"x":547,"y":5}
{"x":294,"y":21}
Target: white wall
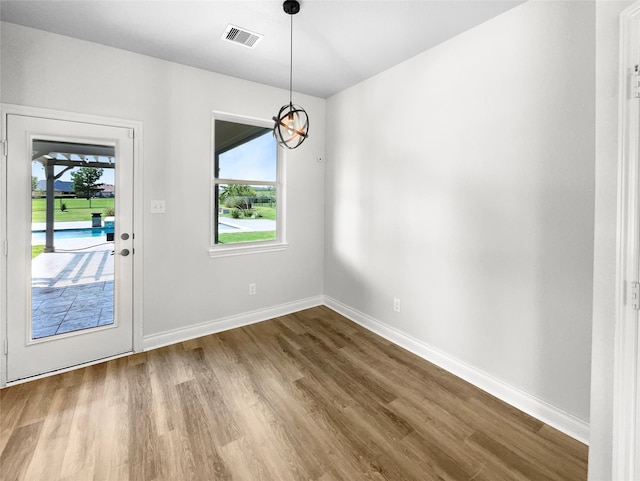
{"x":182,"y":285}
{"x":462,"y":183}
{"x":604,"y":270}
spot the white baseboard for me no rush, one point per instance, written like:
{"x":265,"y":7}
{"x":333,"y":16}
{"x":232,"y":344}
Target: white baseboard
{"x":162,"y":339}
{"x":545,"y":412}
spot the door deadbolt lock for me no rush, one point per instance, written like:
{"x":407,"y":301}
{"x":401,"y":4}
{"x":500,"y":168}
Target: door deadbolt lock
{"x":124,"y":236}
{"x":124,"y":252}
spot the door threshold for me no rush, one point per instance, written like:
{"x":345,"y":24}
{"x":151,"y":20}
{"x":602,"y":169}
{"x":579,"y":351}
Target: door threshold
{"x":66,"y":369}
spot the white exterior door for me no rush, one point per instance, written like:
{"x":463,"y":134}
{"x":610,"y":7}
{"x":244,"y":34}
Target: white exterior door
{"x":71,"y":304}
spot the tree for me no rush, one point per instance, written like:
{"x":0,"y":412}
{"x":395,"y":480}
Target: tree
{"x":85,"y":182}
{"x":236,"y":190}
{"x":237,"y":195}
{"x":34,"y":183}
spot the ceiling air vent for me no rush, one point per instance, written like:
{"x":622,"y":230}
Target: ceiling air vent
{"x":241,"y":36}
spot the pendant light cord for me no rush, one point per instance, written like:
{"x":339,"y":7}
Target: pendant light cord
{"x":291,"y":61}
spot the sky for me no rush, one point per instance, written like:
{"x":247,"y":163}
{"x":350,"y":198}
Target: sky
{"x":255,"y":160}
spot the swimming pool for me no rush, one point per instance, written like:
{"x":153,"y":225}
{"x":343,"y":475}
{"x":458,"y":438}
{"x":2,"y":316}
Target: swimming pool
{"x":226,"y":227}
{"x":39,"y":236}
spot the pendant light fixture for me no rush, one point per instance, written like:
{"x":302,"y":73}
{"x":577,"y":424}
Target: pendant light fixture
{"x":292,"y":122}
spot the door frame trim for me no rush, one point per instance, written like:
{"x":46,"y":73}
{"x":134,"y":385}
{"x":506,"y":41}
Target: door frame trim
{"x":138,"y":211}
{"x":626,"y":386}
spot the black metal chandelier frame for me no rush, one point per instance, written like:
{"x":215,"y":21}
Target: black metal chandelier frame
{"x":291,"y":126}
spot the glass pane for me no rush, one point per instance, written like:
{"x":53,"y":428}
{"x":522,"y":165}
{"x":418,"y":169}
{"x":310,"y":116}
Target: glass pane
{"x":72,"y":224}
{"x":246,"y":213}
{"x":245,"y":152}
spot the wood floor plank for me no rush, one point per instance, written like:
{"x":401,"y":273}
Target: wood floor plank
{"x":48,"y":456}
{"x":17,"y":455}
{"x":207,"y":460}
{"x":110,"y":465}
{"x":224,"y":426}
{"x":143,"y":455}
{"x":12,"y":403}
{"x":308,"y":396}
{"x":248,"y":466}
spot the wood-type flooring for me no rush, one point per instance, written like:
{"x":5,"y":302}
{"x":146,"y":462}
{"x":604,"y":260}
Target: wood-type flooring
{"x":307,"y":396}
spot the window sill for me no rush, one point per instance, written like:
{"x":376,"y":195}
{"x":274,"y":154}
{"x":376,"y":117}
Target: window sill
{"x":238,"y":250}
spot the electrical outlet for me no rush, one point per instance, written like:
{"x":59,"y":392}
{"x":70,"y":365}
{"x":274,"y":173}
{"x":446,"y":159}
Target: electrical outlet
{"x":252,"y":289}
{"x":396,"y":304}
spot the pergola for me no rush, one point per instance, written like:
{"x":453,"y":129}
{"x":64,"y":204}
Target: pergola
{"x":52,"y":154}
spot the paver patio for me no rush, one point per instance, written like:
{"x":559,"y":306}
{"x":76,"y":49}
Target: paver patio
{"x":72,"y":289}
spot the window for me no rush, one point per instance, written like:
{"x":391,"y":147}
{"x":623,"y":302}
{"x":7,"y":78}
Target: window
{"x":247,"y":193}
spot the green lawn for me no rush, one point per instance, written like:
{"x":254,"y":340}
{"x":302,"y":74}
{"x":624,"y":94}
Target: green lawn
{"x":246,"y":237}
{"x":36,"y":251}
{"x":77,"y":209}
{"x":267,"y":212}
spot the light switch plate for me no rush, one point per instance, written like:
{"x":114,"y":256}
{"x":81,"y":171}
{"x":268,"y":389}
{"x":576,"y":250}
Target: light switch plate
{"x":157,"y":207}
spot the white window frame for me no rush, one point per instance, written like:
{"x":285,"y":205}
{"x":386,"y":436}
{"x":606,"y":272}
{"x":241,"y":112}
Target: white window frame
{"x":241,"y":248}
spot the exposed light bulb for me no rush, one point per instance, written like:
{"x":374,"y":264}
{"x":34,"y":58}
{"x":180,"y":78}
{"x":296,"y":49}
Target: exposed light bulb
{"x":290,"y":124}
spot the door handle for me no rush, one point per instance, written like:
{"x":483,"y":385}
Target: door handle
{"x":124,"y":252}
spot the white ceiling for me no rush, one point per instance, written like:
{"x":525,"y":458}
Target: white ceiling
{"x":337,"y":43}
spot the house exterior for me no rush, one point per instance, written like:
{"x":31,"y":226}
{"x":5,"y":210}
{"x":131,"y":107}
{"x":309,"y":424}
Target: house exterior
{"x":60,"y":188}
{"x":107,"y":190}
